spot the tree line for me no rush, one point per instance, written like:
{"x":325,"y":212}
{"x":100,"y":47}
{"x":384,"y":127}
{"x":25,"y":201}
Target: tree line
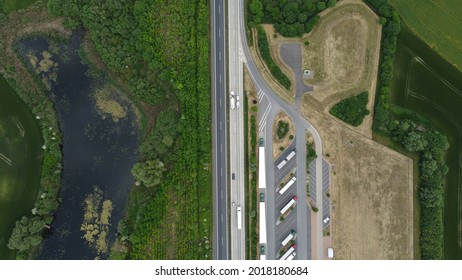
{"x":415,"y":134}
{"x":275,"y":70}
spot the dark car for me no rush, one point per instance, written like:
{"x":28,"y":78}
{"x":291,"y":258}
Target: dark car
{"x":262,"y":197}
{"x":233,"y":176}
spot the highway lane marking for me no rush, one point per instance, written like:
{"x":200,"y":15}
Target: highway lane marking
{"x":220,"y":79}
{"x":221,"y":171}
{"x":219,"y":33}
{"x":219,"y":9}
{"x":221,"y":146}
{"x":220,"y":106}
{"x":219,"y":55}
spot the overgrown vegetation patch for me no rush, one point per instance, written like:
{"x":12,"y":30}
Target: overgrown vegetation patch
{"x":352,"y":110}
{"x":282,"y":130}
{"x":264,"y":49}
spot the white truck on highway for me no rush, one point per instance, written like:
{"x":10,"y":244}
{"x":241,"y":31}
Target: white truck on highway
{"x":239,"y":218}
{"x":291,"y":155}
{"x":232,"y":102}
{"x":288,"y":253}
{"x":289,"y":204}
{"x":288,"y":238}
{"x":288,"y":185}
{"x":282,"y":163}
{"x":237,"y":100}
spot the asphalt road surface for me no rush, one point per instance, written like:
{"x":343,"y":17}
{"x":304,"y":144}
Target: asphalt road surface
{"x":219,"y":98}
{"x":236,"y":131}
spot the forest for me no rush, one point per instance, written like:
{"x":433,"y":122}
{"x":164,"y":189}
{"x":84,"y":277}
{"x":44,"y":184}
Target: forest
{"x":290,"y":18}
{"x":160,"y":50}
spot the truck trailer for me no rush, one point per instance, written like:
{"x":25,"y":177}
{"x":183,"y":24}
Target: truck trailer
{"x":289,"y":204}
{"x":288,"y":253}
{"x":288,"y":238}
{"x":287,"y":186}
{"x":282,"y":163}
{"x":291,"y":155}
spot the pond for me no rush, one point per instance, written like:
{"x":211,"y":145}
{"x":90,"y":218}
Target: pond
{"x":20,"y":162}
{"x":427,"y":84}
{"x":100,"y":141}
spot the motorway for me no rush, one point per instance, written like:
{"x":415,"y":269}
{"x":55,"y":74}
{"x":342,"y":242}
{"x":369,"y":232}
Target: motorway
{"x":239,"y":53}
{"x":236,"y":132}
{"x":219,"y":98}
{"x":301,"y":125}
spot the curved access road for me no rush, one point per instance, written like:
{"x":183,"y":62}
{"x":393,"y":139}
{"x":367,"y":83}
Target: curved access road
{"x":301,"y":124}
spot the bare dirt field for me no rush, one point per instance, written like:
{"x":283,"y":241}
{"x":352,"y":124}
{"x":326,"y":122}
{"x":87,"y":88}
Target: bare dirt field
{"x":371,"y":191}
{"x":284,"y":142}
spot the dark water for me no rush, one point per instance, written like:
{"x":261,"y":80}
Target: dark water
{"x":98,"y":152}
{"x":20,"y":162}
{"x":426,"y":83}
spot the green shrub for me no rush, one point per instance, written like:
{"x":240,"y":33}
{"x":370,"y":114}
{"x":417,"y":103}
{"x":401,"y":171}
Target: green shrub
{"x":282,"y":130}
{"x":352,"y":110}
{"x":263,"y":46}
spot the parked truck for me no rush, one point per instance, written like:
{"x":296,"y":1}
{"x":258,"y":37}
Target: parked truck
{"x":288,"y":238}
{"x":288,"y":253}
{"x":288,"y":185}
{"x":289,"y":204}
{"x":291,"y":155}
{"x":291,"y":256}
{"x":282,"y":163}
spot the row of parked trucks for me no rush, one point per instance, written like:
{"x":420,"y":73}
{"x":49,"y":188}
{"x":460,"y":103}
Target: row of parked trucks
{"x":286,"y":160}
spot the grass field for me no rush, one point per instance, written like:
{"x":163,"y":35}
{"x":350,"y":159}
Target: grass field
{"x":14,"y":5}
{"x":428,"y":85}
{"x":438,"y":23}
{"x":20,"y":161}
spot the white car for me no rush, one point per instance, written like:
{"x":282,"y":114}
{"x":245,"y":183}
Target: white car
{"x":326,"y":220}
{"x":237,"y":101}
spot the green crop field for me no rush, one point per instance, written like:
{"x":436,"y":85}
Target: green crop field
{"x":438,"y":23}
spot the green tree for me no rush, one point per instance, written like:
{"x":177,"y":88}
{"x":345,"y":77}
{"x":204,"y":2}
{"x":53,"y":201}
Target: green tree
{"x":256,"y":8}
{"x":26,"y":234}
{"x":321,"y":6}
{"x":414,"y":142}
{"x":150,"y":173}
